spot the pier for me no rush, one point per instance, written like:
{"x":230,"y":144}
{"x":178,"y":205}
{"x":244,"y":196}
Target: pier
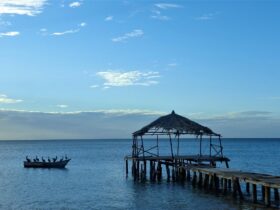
{"x":209,"y":171}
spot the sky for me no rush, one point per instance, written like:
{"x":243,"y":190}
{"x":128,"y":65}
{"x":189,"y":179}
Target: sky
{"x":103,"y":69}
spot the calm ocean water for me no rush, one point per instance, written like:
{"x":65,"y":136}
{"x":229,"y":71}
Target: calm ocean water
{"x":95,"y":177}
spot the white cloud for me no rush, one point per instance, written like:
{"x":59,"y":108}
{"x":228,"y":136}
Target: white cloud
{"x":209,"y":16}
{"x":133,"y":34}
{"x":109,"y":18}
{"x":97,"y":124}
{"x":75,"y":4}
{"x":167,"y":6}
{"x":94,"y":86}
{"x":71,"y":31}
{"x":10,"y":33}
{"x":5,"y":23}
{"x":122,"y":112}
{"x":62,"y":106}
{"x":22,"y":7}
{"x":129,"y":78}
{"x":157,"y":15}
{"x":83,"y":24}
{"x":172,"y":64}
{"x":5,"y":100}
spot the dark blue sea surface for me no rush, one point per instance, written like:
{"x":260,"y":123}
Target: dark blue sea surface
{"x":95,"y":177}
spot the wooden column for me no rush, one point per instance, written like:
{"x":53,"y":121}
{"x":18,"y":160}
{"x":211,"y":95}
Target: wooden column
{"x":267,"y":196}
{"x":194,"y":180}
{"x":200,"y":179}
{"x":225,"y":186}
{"x":126,"y":167}
{"x":255,"y":198}
{"x":263,"y":193}
{"x":188,"y":175}
{"x":159,"y":171}
{"x":276,"y":195}
{"x":217,"y":183}
{"x":229,"y":184}
{"x":167,"y":172}
{"x":206,"y":181}
{"x":248,"y":187}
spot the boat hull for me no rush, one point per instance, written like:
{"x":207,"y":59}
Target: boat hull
{"x":58,"y":164}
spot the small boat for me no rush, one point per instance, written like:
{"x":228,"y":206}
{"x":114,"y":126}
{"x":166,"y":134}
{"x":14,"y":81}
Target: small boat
{"x":41,"y":164}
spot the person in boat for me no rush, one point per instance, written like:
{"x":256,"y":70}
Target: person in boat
{"x":66,"y":158}
{"x":54,"y":159}
{"x":27,"y":159}
{"x":37,"y":159}
{"x":49,"y":160}
{"x":61,"y":159}
{"x":43,"y":159}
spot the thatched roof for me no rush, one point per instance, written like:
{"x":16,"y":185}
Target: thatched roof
{"x":174,"y":123}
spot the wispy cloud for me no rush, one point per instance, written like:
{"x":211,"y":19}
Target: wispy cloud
{"x":129,"y":78}
{"x":205,"y":17}
{"x":113,"y":123}
{"x":4,"y":99}
{"x":135,"y":33}
{"x":5,"y":23}
{"x":123,"y":112}
{"x":10,"y":33}
{"x":167,"y":6}
{"x":75,"y":4}
{"x":71,"y":31}
{"x":109,"y":18}
{"x":63,"y":106}
{"x":94,"y":86}
{"x":157,"y":15}
{"x":22,"y":7}
{"x":172,"y":64}
{"x":83,"y":24}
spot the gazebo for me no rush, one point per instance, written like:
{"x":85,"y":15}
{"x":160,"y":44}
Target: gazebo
{"x":173,"y":127}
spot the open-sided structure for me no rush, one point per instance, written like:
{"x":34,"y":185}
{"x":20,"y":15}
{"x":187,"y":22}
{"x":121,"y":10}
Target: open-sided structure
{"x":175,"y":127}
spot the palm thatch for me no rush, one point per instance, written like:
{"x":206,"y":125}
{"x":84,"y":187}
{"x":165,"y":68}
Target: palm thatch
{"x":174,"y":123}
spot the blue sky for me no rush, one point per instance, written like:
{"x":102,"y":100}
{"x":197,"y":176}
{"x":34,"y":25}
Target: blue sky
{"x":120,"y":61}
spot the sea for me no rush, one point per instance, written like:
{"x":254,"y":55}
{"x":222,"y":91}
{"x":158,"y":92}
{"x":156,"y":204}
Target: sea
{"x":95,"y":177}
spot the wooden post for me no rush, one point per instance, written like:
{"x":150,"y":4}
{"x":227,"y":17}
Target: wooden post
{"x":145,"y":169}
{"x":138,"y":169}
{"x":188,"y":175}
{"x":217,"y":183}
{"x":167,"y":172}
{"x":173,"y":174}
{"x":151,"y":170}
{"x":255,"y":199}
{"x":229,"y":184}
{"x":248,"y":187}
{"x":206,"y":181}
{"x":239,"y":190}
{"x":267,"y":196}
{"x":200,"y":179}
{"x":276,"y":195}
{"x":263,"y":193}
{"x":194,"y":180}
{"x":126,"y":167}
{"x":211,"y":182}
{"x":159,"y":171}
{"x":225,"y":185}
{"x":234,"y":190}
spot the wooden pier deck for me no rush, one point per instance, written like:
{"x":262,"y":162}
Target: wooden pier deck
{"x":230,"y":180}
{"x":202,"y":173}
